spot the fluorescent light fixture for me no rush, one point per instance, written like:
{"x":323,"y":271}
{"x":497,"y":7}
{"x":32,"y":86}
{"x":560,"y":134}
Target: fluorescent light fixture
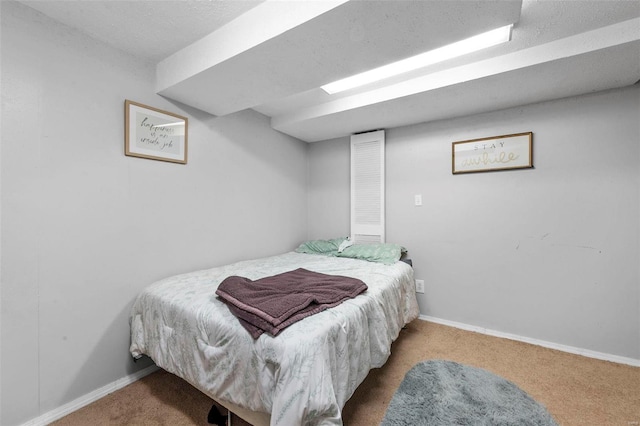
{"x":450,"y":51}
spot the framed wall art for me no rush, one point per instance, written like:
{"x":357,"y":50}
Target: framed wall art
{"x":493,"y":153}
{"x":155,"y":134}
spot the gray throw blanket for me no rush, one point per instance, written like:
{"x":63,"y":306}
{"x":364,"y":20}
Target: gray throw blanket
{"x":273,"y":303}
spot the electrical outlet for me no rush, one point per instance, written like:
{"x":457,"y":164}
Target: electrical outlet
{"x":419,"y":286}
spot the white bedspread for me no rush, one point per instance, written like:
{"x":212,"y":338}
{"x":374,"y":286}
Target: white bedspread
{"x":305,"y":375}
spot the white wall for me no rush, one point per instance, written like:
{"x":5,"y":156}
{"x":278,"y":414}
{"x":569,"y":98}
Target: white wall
{"x":329,"y":186}
{"x":84,"y":228}
{"x":549,"y":253}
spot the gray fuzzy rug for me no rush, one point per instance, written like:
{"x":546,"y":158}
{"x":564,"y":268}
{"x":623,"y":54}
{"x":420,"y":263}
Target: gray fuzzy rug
{"x":441,"y":392}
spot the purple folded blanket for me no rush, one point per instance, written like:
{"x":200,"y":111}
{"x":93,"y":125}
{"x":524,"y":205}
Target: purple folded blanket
{"x":273,"y":303}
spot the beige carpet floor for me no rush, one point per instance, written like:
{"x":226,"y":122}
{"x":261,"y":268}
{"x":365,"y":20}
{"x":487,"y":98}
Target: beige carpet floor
{"x":576,"y":390}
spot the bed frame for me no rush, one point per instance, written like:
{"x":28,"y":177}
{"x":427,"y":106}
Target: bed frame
{"x":313,"y":366}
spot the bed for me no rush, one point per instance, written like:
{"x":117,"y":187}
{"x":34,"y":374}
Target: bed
{"x":302,"y":376}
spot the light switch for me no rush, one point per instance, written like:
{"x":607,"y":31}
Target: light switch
{"x":417,"y":199}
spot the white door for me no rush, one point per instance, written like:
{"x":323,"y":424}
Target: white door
{"x":367,"y":187}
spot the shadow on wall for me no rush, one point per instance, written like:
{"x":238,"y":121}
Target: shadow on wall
{"x":252,"y":175}
{"x":256,"y":139}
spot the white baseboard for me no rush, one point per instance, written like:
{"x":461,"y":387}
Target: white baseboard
{"x":564,"y":348}
{"x":87,"y":399}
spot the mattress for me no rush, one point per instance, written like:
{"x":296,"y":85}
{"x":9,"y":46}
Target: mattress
{"x":306,"y":374}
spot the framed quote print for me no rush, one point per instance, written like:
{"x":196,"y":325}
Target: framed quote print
{"x":493,"y":153}
{"x":155,"y":134}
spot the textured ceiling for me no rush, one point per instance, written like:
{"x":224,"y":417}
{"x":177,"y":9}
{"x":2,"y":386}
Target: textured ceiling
{"x":149,"y":29}
{"x":223,"y":56}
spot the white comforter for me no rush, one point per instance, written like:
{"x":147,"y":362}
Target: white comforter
{"x":305,"y":375}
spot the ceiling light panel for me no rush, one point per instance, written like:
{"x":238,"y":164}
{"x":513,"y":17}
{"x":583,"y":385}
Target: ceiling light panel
{"x":450,"y":51}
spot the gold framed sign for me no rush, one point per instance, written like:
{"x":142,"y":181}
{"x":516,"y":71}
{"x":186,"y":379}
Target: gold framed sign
{"x":155,"y":134}
{"x":493,"y":153}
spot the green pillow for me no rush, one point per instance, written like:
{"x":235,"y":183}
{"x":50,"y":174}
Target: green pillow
{"x":382,"y":253}
{"x":327,"y":247}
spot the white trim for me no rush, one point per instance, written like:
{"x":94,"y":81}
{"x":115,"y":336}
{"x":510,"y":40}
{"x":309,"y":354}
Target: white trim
{"x":564,"y":348}
{"x":87,"y":399}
